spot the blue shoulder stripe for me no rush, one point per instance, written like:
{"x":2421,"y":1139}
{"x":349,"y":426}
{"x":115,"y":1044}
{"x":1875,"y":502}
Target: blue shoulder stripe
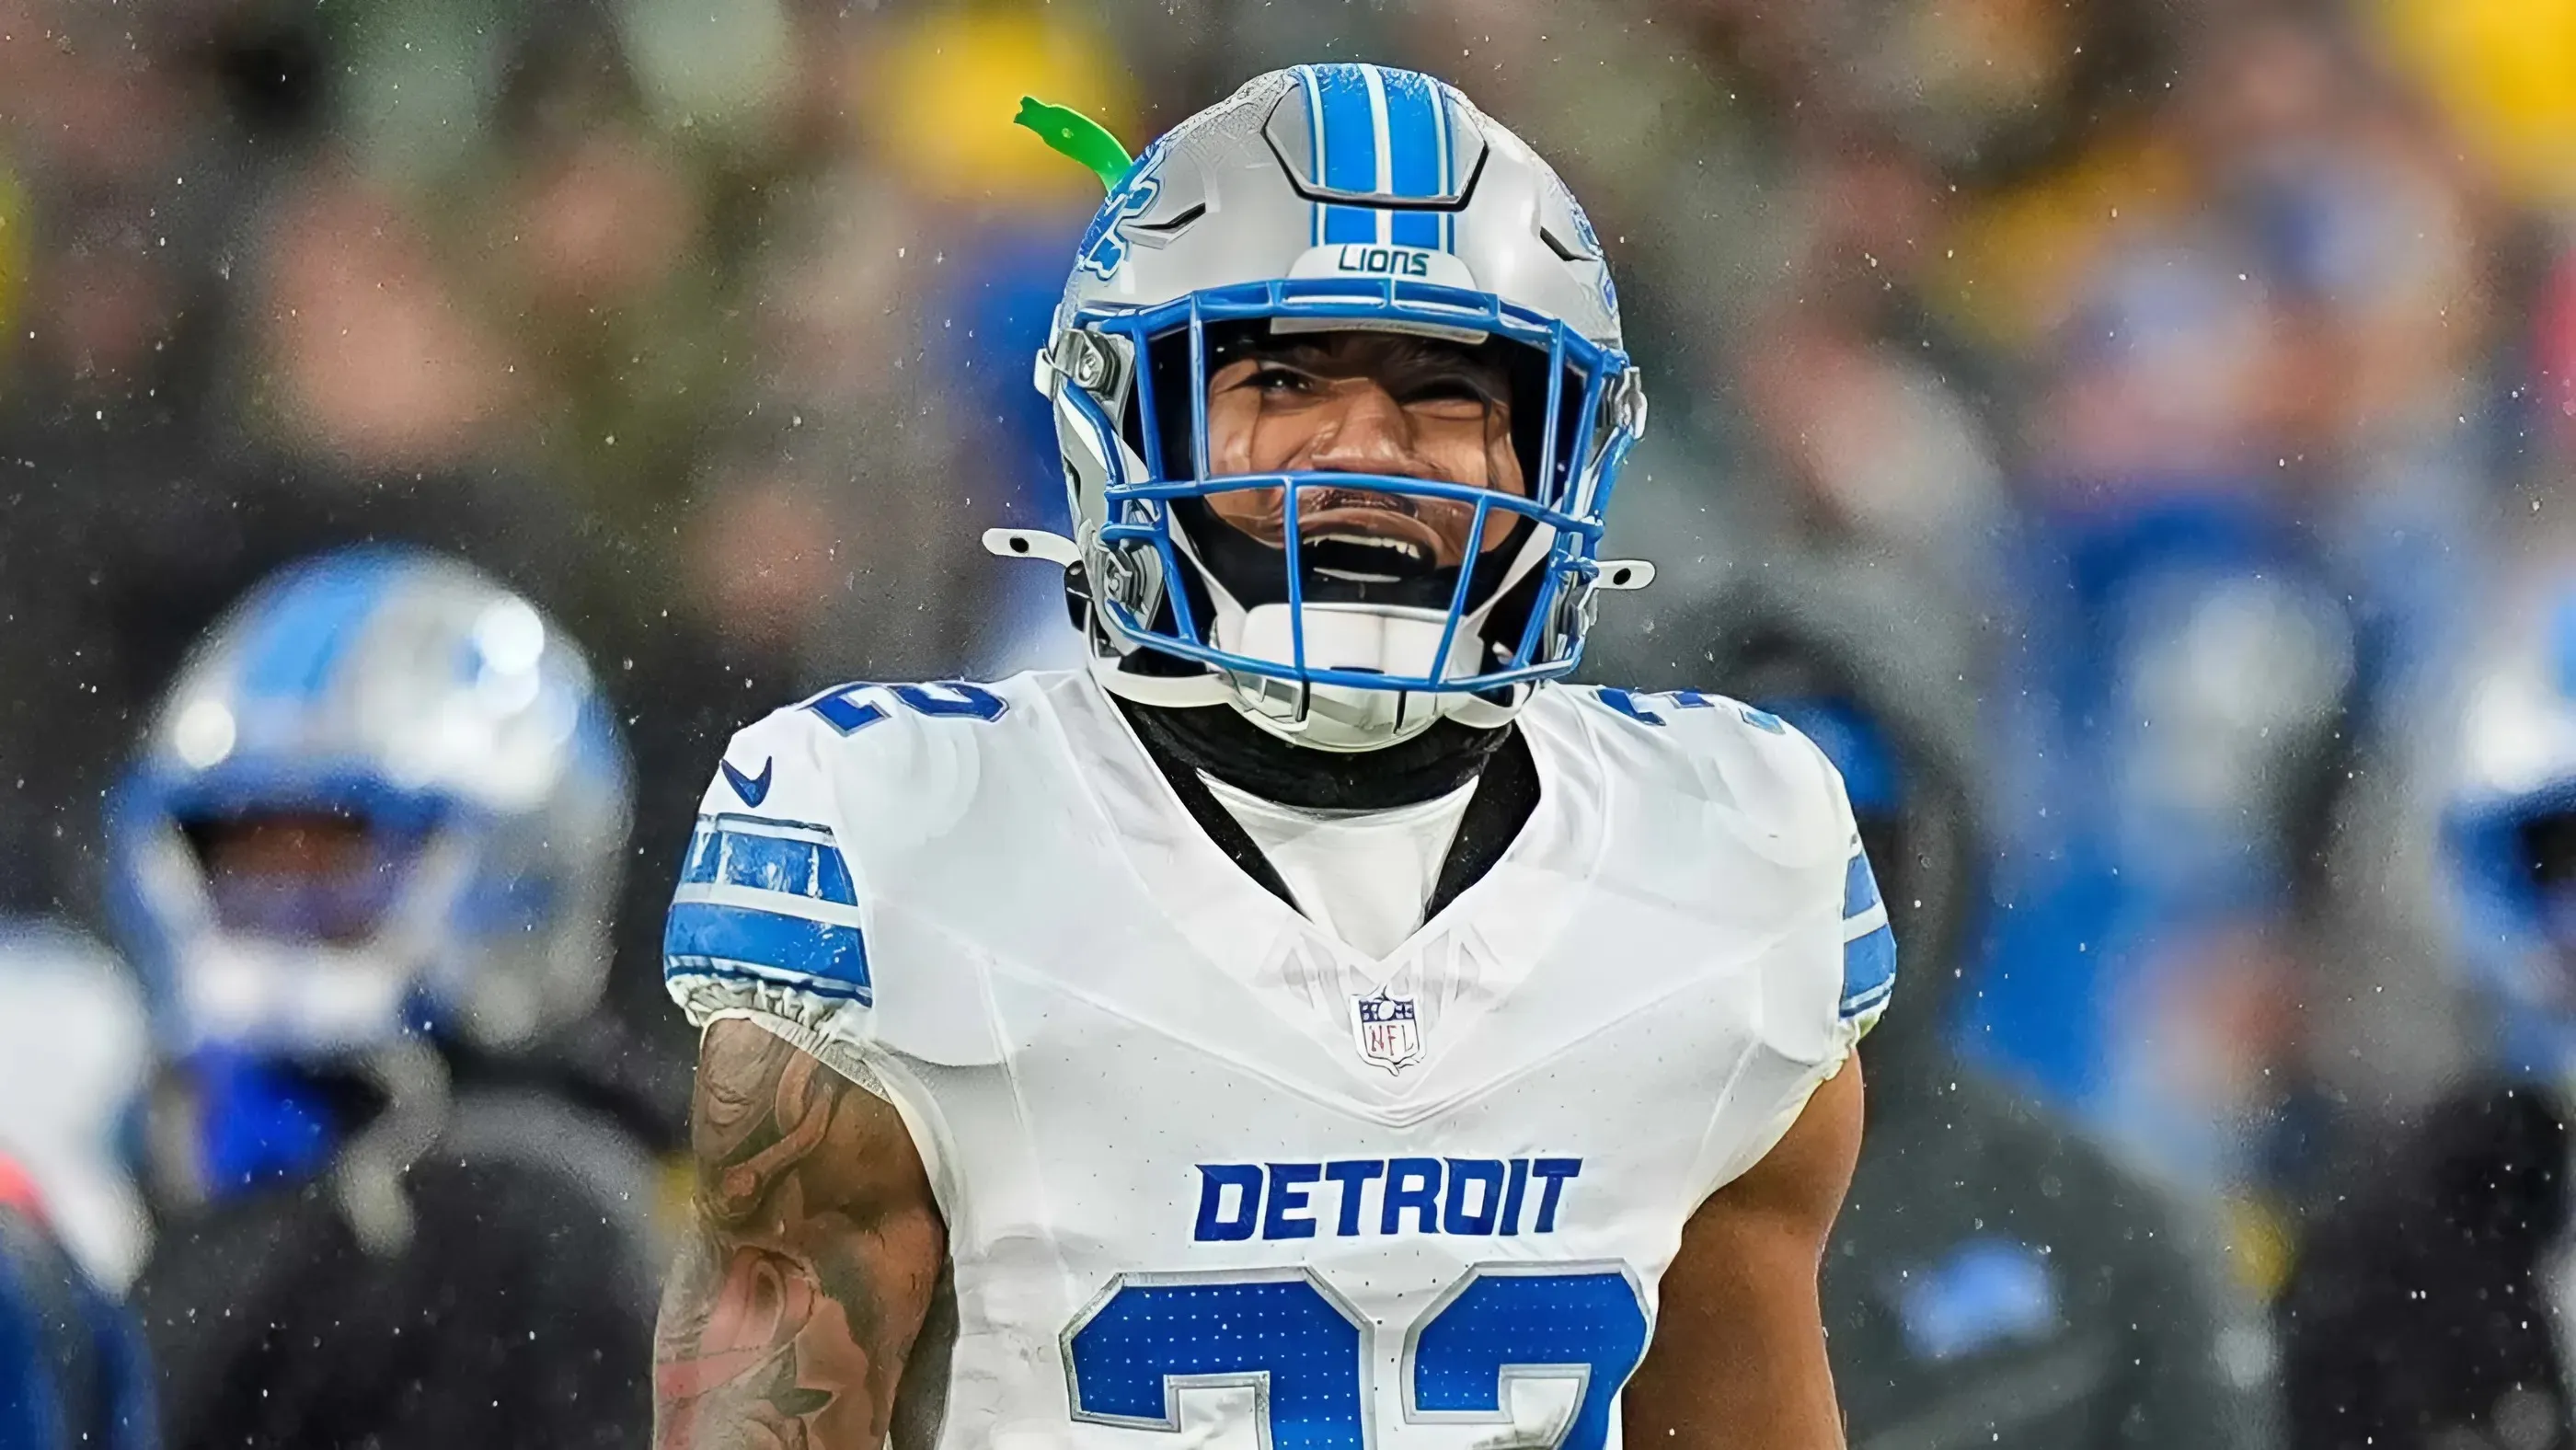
{"x":1860,"y":886}
{"x":783,"y":856}
{"x":1869,"y":970}
{"x":817,"y":956}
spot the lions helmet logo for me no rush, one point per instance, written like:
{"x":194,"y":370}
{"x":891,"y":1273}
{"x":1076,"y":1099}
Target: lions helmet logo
{"x":1590,"y":241}
{"x":1104,"y":248}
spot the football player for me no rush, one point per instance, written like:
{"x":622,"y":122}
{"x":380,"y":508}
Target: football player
{"x":72,"y":1367}
{"x":364,"y":861}
{"x":1313,"y":1024}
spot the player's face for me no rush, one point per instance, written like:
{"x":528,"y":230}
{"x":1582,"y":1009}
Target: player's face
{"x":299,"y":875}
{"x":1365,"y":402}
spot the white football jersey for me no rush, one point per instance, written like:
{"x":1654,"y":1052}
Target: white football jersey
{"x":1213,"y":1178}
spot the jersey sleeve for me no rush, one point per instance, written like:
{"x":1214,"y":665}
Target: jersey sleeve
{"x":1824,"y":980}
{"x":1860,"y":959}
{"x":1813,"y":805}
{"x":768,"y":921}
{"x":1869,"y":948}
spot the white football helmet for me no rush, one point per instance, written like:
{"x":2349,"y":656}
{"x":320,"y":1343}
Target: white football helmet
{"x":1325,"y":198}
{"x":414,"y":696}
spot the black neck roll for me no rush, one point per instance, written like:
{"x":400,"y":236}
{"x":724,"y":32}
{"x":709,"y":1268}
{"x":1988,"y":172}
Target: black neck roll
{"x":1218,"y":740}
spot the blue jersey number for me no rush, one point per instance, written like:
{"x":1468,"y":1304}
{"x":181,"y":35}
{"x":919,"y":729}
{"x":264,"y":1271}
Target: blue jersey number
{"x":1506,"y":1322}
{"x":846,"y":712}
{"x":1285,"y":1334}
{"x":1648,"y":709}
{"x":1306,"y":1353}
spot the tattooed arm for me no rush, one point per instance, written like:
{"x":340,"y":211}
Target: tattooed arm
{"x":815,"y":1254}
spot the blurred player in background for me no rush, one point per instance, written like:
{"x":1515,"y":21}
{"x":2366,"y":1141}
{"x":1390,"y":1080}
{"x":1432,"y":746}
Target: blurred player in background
{"x":365,"y":862}
{"x":2432,"y":1298}
{"x":74,"y":1052}
{"x":1996,"y":1278}
{"x":1311,"y":1022}
{"x":73,"y":1372}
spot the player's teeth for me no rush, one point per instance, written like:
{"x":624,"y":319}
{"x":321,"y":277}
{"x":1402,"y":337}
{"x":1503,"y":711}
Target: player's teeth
{"x":1407,"y":548}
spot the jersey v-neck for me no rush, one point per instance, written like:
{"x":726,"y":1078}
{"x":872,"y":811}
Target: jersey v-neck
{"x":1503,"y":797}
{"x":1530,"y":837}
{"x":1364,"y":876}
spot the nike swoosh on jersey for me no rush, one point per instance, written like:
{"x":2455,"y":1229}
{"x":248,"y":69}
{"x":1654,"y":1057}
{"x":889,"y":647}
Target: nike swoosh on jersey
{"x":752,"y":788}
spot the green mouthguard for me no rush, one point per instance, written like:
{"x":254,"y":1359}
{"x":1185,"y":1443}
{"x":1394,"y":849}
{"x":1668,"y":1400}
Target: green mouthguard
{"x":1077,"y":136}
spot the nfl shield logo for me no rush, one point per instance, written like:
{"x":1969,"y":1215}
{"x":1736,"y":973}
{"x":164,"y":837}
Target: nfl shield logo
{"x":1388,"y":1034}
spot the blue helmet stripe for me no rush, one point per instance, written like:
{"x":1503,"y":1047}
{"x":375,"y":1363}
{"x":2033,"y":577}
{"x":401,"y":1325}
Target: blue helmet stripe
{"x":1449,"y":178}
{"x":1348,"y":145}
{"x":1381,"y":158}
{"x":2563,"y":644}
{"x":301,"y":633}
{"x":1416,"y":154}
{"x":1314,"y":149}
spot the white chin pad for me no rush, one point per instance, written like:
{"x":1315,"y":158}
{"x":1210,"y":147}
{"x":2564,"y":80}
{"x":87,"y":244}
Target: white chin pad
{"x":1374,"y":638}
{"x":295,"y":999}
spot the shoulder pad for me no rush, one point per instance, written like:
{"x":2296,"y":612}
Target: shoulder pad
{"x":1754,"y":763}
{"x":905,"y":760}
{"x":771,"y":911}
{"x":778,"y":768}
{"x":766,"y":893}
{"x":1790,"y":793}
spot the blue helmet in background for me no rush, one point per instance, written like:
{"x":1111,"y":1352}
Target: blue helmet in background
{"x":1325,"y":198}
{"x":2509,"y":828}
{"x":451,"y":745}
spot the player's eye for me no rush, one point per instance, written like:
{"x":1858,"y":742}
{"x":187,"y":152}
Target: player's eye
{"x":1448,"y":392}
{"x":1274,"y":380}
{"x":1442,"y":390}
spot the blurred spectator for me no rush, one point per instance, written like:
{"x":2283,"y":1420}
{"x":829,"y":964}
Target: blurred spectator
{"x":988,"y":213}
{"x":75,"y":1056}
{"x":1996,"y":1277}
{"x":366,"y":857}
{"x":2427,"y":1303}
{"x":2250,"y":472}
